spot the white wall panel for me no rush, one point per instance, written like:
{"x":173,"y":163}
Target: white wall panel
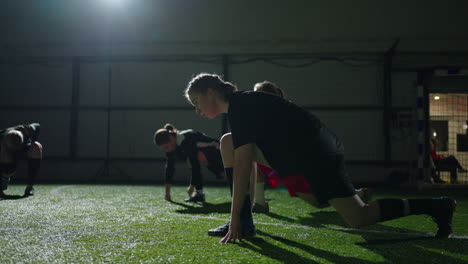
{"x":330,"y":84}
{"x":92,"y":134}
{"x":139,"y":83}
{"x":35,"y":84}
{"x":322,"y":84}
{"x":93,"y":84}
{"x":404,"y":89}
{"x":361,"y":132}
{"x":132,"y":131}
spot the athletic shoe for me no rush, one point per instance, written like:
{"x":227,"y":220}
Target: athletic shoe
{"x":248,"y":229}
{"x":198,"y":197}
{"x":261,"y":209}
{"x":220,"y":231}
{"x":29,"y":191}
{"x":442,"y":212}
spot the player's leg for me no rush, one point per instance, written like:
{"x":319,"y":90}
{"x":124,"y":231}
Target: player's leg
{"x":7,"y":169}
{"x":248,"y":228}
{"x":196,"y":183}
{"x":359,"y":214}
{"x":34,"y":156}
{"x":260,"y":205}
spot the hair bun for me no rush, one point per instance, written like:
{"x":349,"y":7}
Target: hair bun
{"x":169,"y":127}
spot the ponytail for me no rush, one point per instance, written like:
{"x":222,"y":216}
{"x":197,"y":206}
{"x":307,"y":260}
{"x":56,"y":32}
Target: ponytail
{"x":161,"y":136}
{"x":170,"y":127}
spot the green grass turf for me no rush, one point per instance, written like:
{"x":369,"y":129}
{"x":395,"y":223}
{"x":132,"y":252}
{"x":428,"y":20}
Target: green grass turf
{"x":133,"y":224}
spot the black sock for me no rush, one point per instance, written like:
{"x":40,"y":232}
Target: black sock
{"x":246,"y":211}
{"x":391,"y":209}
{"x":229,"y":172}
{"x":396,"y":208}
{"x":420,"y":206}
{"x":33,"y":169}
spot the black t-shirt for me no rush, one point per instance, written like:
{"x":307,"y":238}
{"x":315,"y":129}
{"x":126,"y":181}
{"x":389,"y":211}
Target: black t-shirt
{"x":194,"y":141}
{"x":291,"y":138}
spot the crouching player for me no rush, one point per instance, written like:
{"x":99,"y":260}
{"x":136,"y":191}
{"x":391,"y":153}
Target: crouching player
{"x":300,"y":147}
{"x":16,"y":143}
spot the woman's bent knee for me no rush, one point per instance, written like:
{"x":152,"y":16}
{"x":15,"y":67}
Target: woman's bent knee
{"x":226,"y":139}
{"x":35,"y":151}
{"x":227,"y":150}
{"x":355,"y":212}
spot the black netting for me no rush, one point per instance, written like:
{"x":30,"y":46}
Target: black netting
{"x":449,"y":134}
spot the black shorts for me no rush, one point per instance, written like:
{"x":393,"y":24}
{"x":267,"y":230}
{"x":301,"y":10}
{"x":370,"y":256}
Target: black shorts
{"x":216,"y":168}
{"x":19,"y":155}
{"x":23,"y":153}
{"x":328,"y":178}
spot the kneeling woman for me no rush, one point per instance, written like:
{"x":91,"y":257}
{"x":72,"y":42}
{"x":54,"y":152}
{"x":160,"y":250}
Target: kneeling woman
{"x":283,"y":136}
{"x":196,"y":149}
{"x":16,"y":143}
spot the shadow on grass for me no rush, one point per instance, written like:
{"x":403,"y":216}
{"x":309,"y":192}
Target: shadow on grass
{"x":267,"y":249}
{"x":318,"y":218}
{"x":418,"y":249}
{"x":13,"y":197}
{"x":400,"y":250}
{"x":395,"y":244}
{"x":280,"y":217}
{"x":205,"y":208}
{"x":376,"y":242}
{"x":326,"y":218}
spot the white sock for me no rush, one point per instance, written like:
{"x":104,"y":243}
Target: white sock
{"x":360,"y":193}
{"x":260,"y":193}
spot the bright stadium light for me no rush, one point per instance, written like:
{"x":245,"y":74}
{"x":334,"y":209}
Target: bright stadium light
{"x":114,"y":4}
{"x":436,"y":97}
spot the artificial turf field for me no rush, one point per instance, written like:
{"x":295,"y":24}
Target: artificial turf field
{"x":134,"y":224}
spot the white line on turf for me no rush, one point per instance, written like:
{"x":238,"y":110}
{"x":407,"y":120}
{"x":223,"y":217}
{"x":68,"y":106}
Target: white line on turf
{"x":56,"y":192}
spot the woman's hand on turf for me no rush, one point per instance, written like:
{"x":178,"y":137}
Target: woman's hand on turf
{"x":234,"y":233}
